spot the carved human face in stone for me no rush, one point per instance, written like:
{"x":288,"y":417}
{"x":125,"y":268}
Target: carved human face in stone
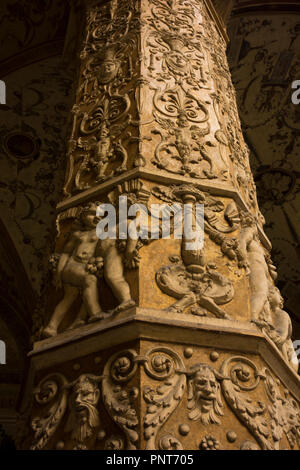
{"x":275,"y":299}
{"x":84,"y":416}
{"x":88,"y":217}
{"x":84,"y":397}
{"x":107,"y":71}
{"x":176,"y":60}
{"x":204,"y":397}
{"x":205,"y":386}
{"x":182,"y":121}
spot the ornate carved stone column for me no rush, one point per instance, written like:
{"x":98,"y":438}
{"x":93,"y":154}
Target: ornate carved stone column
{"x":146,"y":344}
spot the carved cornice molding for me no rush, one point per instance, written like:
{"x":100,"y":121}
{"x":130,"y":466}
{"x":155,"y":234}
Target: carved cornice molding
{"x":159,"y":177}
{"x":151,"y":325}
{"x":266,"y":6}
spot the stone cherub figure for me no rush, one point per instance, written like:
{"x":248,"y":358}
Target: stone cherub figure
{"x":282,"y":330}
{"x":255,"y":256}
{"x":265,"y":297}
{"x":84,"y":259}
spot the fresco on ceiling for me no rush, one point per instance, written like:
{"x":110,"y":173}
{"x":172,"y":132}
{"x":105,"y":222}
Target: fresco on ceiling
{"x":265,"y":60}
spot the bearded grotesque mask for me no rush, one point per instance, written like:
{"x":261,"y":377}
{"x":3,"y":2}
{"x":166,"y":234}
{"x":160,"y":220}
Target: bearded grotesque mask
{"x":84,"y":416}
{"x":204,"y":398}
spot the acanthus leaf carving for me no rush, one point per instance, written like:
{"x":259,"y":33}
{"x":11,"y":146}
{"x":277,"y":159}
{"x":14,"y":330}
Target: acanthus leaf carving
{"x":104,"y":147}
{"x":118,"y":400}
{"x":241,"y":376}
{"x":164,"y":365}
{"x":185,"y":141}
{"x":284,"y":413}
{"x":52,"y":395}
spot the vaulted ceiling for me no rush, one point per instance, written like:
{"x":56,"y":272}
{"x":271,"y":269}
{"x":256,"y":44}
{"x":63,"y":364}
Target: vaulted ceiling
{"x":264,"y":56}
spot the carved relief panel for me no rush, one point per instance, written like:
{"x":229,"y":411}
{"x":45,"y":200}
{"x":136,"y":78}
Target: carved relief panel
{"x":166,"y":397}
{"x":229,"y":277}
{"x":155,"y":91}
{"x":105,"y":113}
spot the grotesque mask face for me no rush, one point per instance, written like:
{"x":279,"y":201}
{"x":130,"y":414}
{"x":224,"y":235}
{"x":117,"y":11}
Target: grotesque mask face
{"x":204,"y":399}
{"x":205,"y":385}
{"x":84,"y":416}
{"x":85,"y":396}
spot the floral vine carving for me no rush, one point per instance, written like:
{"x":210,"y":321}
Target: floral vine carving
{"x":119,"y":401}
{"x":164,"y":365}
{"x":241,"y":375}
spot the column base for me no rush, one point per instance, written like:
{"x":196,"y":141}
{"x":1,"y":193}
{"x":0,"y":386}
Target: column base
{"x":177,"y":382}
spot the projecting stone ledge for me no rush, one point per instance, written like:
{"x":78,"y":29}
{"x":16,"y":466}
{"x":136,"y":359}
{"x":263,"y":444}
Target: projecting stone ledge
{"x":148,"y":380}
